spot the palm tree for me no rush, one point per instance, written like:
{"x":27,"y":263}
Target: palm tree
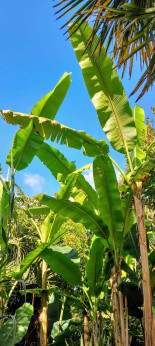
{"x":124,"y":27}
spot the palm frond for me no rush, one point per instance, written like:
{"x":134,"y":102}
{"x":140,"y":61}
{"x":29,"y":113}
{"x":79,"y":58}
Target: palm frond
{"x":124,"y":28}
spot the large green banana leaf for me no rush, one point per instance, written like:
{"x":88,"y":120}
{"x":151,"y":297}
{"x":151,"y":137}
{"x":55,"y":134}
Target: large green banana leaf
{"x":63,"y":266}
{"x":49,"y":105}
{"x":33,"y":255}
{"x":47,"y":227}
{"x":109,"y":204}
{"x":106,"y":91}
{"x":26,"y":143}
{"x":67,"y":251}
{"x":56,"y":131}
{"x":53,"y":222}
{"x":128,"y":210}
{"x":24,"y":147}
{"x":56,"y":162}
{"x":37,"y":211}
{"x":77,"y":213}
{"x":60,"y":167}
{"x":94,"y":264}
{"x":29,"y":259}
{"x":139,"y":117}
{"x":137,"y":155}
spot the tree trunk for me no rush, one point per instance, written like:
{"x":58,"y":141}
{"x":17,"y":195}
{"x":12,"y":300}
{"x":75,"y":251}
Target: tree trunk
{"x":86,"y":328}
{"x":43,"y":314}
{"x":148,"y":318}
{"x":1,"y":305}
{"x":115,"y":320}
{"x":119,"y":323}
{"x":100,"y":326}
{"x":121,"y":311}
{"x":126,"y":323}
{"x":95,"y":333}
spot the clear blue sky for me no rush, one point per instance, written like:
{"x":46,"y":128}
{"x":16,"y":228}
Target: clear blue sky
{"x":34,"y":55}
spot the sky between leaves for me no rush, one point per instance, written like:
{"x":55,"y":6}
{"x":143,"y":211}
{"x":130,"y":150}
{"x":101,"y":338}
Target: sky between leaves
{"x":34,"y":55}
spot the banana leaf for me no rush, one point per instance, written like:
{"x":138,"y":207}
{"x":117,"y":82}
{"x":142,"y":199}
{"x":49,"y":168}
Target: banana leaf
{"x":105,"y":90}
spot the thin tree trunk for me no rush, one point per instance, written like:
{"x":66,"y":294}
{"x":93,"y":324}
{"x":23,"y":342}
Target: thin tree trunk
{"x":86,"y":328}
{"x":100,"y":325}
{"x":115,"y":305}
{"x":1,"y":305}
{"x":43,"y":315}
{"x":153,"y":330}
{"x":126,"y":323}
{"x":148,"y":318}
{"x":95,"y":333}
{"x":121,"y":311}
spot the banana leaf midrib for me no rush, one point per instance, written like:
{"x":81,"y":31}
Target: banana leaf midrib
{"x":6,"y":116}
{"x":106,"y":87}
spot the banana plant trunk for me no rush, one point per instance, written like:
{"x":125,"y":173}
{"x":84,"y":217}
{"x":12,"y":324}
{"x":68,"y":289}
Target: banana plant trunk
{"x":148,"y":316}
{"x":86,"y":328}
{"x":95,"y":333}
{"x":43,"y":314}
{"x":1,"y":305}
{"x":126,"y":323}
{"x":119,"y":322}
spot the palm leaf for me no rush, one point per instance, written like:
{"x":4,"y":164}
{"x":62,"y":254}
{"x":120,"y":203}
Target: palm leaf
{"x":122,"y":26}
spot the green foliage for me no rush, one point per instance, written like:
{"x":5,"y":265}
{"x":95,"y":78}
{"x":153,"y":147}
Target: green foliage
{"x":55,"y":131}
{"x":24,"y":147}
{"x":59,"y":317}
{"x":109,"y":198}
{"x":94,"y":265}
{"x":62,"y":265}
{"x":67,"y":251}
{"x":131,"y":245}
{"x":126,"y":28}
{"x":14,"y":329}
{"x":77,"y":213}
{"x":106,"y":92}
{"x":134,"y":298}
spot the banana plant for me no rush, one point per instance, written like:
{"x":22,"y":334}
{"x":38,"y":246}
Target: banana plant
{"x":120,"y":124}
{"x":124,"y":129}
{"x":26,"y":145}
